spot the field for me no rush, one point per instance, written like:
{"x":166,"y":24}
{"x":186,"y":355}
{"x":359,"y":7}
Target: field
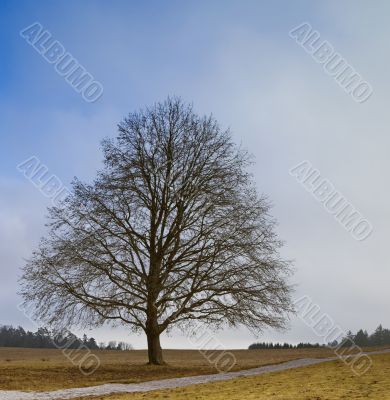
{"x":39,"y":369}
{"x":328,"y":381}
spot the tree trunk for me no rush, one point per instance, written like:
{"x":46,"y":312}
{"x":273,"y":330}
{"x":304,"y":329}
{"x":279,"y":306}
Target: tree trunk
{"x":154,"y":348}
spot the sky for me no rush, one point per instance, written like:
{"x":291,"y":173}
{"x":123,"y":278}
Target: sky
{"x":234,"y":59}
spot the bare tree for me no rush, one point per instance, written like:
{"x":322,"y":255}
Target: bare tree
{"x":171,"y":231}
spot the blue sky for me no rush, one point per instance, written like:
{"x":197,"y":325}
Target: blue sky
{"x":236,"y":60}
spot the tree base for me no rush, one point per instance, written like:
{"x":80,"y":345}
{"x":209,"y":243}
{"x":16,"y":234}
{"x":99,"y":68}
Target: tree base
{"x":159,"y":364}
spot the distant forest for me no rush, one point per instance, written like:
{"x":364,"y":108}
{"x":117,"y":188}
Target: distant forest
{"x":380,"y":337}
{"x":270,"y":345}
{"x":43,"y":338}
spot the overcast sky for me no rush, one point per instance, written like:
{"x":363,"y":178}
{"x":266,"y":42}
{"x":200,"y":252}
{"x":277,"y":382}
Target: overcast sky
{"x":236,"y":60}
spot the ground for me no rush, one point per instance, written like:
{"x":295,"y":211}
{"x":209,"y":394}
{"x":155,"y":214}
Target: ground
{"x":327,"y":381}
{"x":38,"y":370}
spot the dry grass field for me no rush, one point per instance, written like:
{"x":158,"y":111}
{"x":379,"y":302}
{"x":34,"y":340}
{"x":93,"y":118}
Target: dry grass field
{"x":327,"y":381}
{"x":38,"y":369}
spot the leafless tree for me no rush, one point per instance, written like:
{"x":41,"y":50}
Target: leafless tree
{"x":172,"y":230}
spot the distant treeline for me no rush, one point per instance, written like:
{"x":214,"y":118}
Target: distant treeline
{"x":43,"y":338}
{"x":271,"y":345}
{"x":380,"y":337}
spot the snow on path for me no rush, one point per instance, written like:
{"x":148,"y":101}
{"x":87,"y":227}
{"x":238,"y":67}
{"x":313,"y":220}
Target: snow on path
{"x":162,"y":384}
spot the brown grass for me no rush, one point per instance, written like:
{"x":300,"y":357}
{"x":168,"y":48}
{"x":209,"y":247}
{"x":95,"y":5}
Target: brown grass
{"x":41,"y":369}
{"x":328,"y":381}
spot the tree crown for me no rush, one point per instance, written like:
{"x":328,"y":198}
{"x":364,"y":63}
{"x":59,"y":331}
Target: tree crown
{"x":172,"y":230}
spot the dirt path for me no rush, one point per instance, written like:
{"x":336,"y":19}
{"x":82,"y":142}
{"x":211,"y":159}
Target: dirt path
{"x":162,"y":384}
